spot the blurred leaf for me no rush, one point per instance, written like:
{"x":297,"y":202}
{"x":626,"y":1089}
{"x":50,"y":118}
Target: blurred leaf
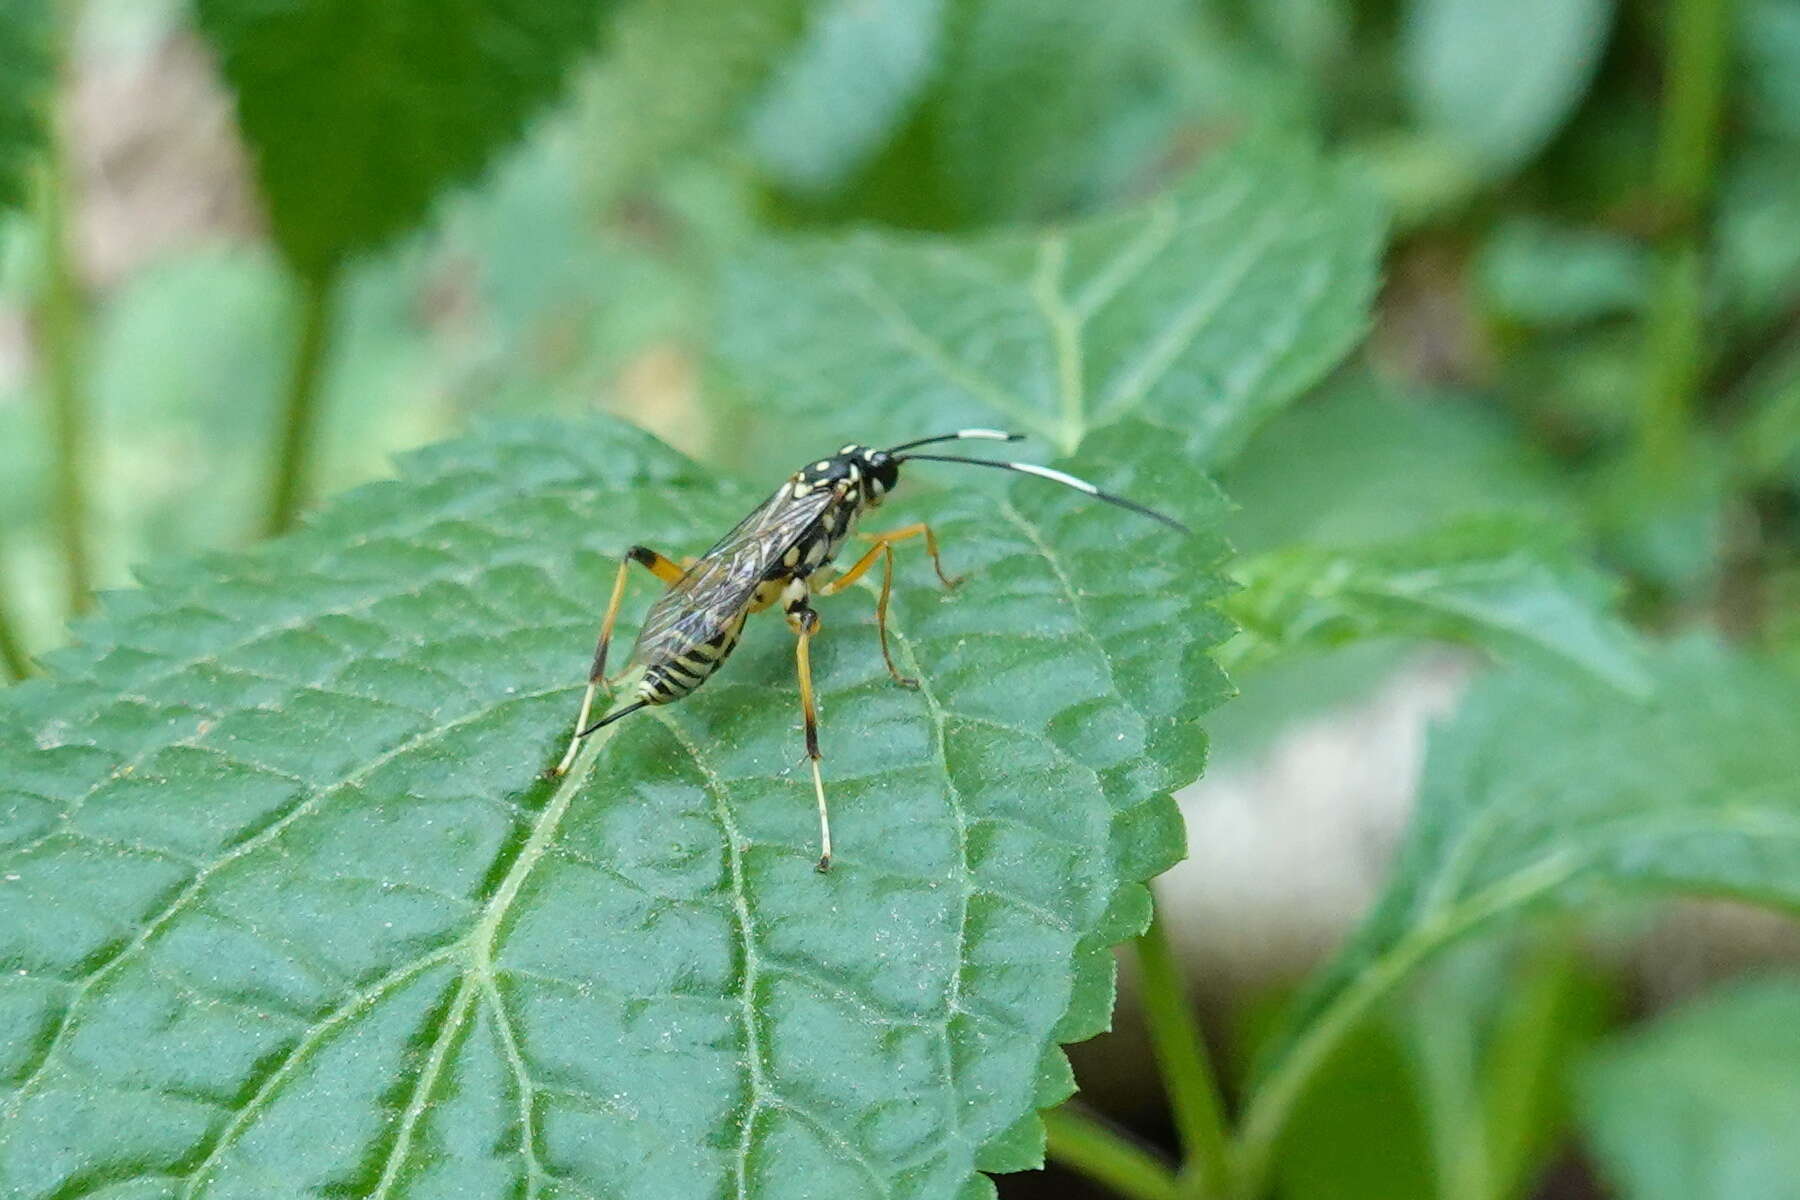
{"x":358,"y":115}
{"x":1704,"y":1103}
{"x":1491,"y":1028}
{"x":188,"y":362}
{"x":1553,"y":1005}
{"x":1203,"y":312}
{"x":1310,"y":34}
{"x":1758,"y":246}
{"x":1543,"y":791}
{"x":287,"y":909}
{"x":1539,"y":273}
{"x":1667,"y":527}
{"x":1051,"y":106}
{"x":677,"y":72}
{"x":1769,"y":48}
{"x":1362,"y":465}
{"x":1339,"y":1145}
{"x":1767,"y":443}
{"x":1511,"y":588}
{"x":27,"y":75}
{"x":842,"y":91}
{"x":1496,"y":81}
{"x":187,"y":367}
{"x":1577,"y":387}
{"x":1455,"y":1087}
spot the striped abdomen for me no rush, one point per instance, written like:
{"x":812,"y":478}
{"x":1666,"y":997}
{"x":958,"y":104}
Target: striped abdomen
{"x":674,"y":676}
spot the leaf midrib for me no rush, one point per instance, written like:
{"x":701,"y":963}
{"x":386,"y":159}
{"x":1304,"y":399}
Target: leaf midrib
{"x":476,"y":946}
{"x":761,"y":1094}
{"x":186,"y":896}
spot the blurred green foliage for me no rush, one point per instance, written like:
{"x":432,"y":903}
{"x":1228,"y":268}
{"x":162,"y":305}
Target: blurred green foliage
{"x":1702,"y":1105}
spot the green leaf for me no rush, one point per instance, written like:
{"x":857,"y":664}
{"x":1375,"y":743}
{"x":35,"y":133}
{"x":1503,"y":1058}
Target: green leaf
{"x":1547,"y":274}
{"x":1542,"y":792}
{"x":1202,"y":312}
{"x":1558,"y":1003}
{"x":1758,"y":211}
{"x":27,"y":70}
{"x":1362,"y":464}
{"x":1051,"y":105}
{"x":1769,"y":49}
{"x":1491,"y":1028}
{"x":358,"y":115}
{"x":1469,"y":1061}
{"x":1340,"y":1145}
{"x":1767,"y":440}
{"x":841,"y":93}
{"x":675,"y":73}
{"x":287,"y":908}
{"x":1703,"y":1104}
{"x":1503,"y":585}
{"x":1496,"y":81}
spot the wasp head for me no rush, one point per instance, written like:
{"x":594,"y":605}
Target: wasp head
{"x":870,"y":474}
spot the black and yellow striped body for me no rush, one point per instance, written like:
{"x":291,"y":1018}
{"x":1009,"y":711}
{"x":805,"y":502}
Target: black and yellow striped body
{"x":771,"y":557}
{"x":673,"y":677}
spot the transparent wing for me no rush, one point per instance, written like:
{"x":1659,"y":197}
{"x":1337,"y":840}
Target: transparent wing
{"x":699,"y":605}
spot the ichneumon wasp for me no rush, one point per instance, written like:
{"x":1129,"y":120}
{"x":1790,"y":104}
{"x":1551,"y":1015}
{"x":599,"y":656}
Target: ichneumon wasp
{"x":782,"y":552}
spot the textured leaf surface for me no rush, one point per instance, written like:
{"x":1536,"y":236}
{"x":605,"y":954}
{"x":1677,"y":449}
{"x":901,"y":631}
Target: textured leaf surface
{"x":1542,"y":791}
{"x":1498,"y":80}
{"x":286,"y":908}
{"x":1703,"y":1105}
{"x":360,"y":114}
{"x":1202,"y":313}
{"x":1502,"y":585}
{"x":25,"y":79}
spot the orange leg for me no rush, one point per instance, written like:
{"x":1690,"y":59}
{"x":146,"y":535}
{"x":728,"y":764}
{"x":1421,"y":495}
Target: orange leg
{"x":664,"y":570}
{"x":884,"y":548}
{"x":931,"y":546}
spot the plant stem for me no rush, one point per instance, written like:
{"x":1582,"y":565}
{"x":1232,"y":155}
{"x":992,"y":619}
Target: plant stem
{"x":1531,"y":1042}
{"x":1082,"y":1143}
{"x":1182,"y":1058}
{"x":1273,"y":1101}
{"x":1696,"y":57}
{"x":13,"y":659}
{"x":291,"y":480}
{"x":61,"y":322}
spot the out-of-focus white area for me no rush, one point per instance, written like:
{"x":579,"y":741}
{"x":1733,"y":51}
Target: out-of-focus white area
{"x":1288,"y":848}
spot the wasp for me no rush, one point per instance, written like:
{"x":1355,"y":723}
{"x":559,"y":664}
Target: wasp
{"x":783,"y":553}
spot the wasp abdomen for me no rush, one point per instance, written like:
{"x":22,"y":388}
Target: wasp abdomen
{"x":682,"y":672}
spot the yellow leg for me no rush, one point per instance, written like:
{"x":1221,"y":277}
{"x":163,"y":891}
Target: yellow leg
{"x":885,"y":551}
{"x":805,"y":622}
{"x":664,"y":570}
{"x":920,"y":529}
{"x":884,"y":548}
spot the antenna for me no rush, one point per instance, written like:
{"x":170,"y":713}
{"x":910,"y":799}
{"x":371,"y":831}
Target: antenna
{"x":1050,"y":473}
{"x":985,"y":435}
